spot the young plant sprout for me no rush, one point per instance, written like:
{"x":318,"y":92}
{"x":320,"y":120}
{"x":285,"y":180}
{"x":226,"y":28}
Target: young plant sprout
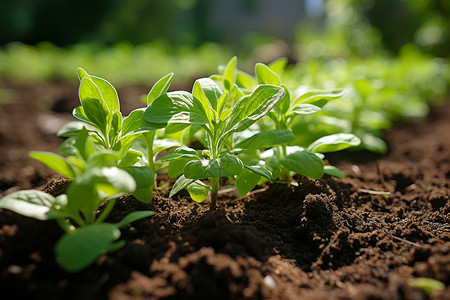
{"x":95,"y":181}
{"x":219,"y":114}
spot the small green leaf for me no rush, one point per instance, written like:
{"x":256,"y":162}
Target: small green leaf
{"x":130,"y":158}
{"x":319,"y":97}
{"x":266,"y":139}
{"x":305,"y":109}
{"x":305,"y":163}
{"x":30,"y":203}
{"x":208,"y":92}
{"x":252,"y":107}
{"x":182,"y":152}
{"x":143,"y":176}
{"x":144,"y":195}
{"x":246,"y":181}
{"x":373,"y":143}
{"x":108,"y":93}
{"x":230,"y":74}
{"x":245,"y":80}
{"x":105,"y":158}
{"x":198,"y":191}
{"x":161,"y":87}
{"x":176,"y":107}
{"x":333,"y":171}
{"x":110,"y":180}
{"x":334,"y":142}
{"x":134,"y":216}
{"x":78,"y":112}
{"x":181,"y":183}
{"x":260,"y":170}
{"x":82,"y":74}
{"x":94,"y":106}
{"x":176,"y":166}
{"x":282,"y":106}
{"x":426,"y":284}
{"x":71,"y":129}
{"x":265,"y":75}
{"x":279,"y":65}
{"x":226,"y":165}
{"x":54,"y":162}
{"x":79,"y":249}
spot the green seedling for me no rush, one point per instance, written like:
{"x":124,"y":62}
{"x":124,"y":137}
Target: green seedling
{"x":132,"y":137}
{"x":218,"y":114}
{"x":87,"y":235}
{"x":426,"y":284}
{"x":285,"y":158}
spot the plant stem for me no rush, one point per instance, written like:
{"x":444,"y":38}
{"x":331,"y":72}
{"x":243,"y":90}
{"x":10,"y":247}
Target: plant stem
{"x":149,"y":140}
{"x":106,"y":211}
{"x":214,"y":192}
{"x":284,"y":175}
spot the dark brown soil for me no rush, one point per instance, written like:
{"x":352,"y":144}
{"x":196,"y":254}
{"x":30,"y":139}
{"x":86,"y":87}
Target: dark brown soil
{"x":326,"y":239}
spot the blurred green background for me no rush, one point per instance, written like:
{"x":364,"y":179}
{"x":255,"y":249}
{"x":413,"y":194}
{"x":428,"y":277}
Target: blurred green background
{"x":137,"y":41}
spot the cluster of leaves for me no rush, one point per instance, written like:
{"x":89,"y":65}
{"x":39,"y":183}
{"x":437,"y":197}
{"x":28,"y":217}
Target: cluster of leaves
{"x":252,"y":129}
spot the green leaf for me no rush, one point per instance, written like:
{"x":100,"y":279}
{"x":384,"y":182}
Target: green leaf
{"x":54,"y":162}
{"x":278,"y":65}
{"x":110,"y":180}
{"x":208,"y":92}
{"x":198,"y":191}
{"x":333,"y":171}
{"x":319,"y":97}
{"x":334,"y":142}
{"x":163,"y":144}
{"x":176,"y":107}
{"x":265,"y":75}
{"x":144,"y":195}
{"x":105,"y":158}
{"x":134,"y":216}
{"x":82,"y":74}
{"x":245,"y":80}
{"x":226,"y":165}
{"x":373,"y":143}
{"x":176,"y":166}
{"x":230,"y":74}
{"x":130,"y":158}
{"x":78,"y":112}
{"x":260,"y":170}
{"x":143,"y":176}
{"x":71,"y":129}
{"x":266,"y":139}
{"x":305,"y":163}
{"x":246,"y":181}
{"x":108,"y":93}
{"x":305,"y":109}
{"x":134,"y":123}
{"x":282,"y":106}
{"x":30,"y":203}
{"x":182,"y":152}
{"x":252,"y":107}
{"x":94,"y":106}
{"x":181,"y":183}
{"x":160,"y":88}
{"x":79,"y":249}
{"x":426,"y":284}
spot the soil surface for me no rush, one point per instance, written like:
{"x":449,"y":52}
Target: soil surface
{"x":361,"y":237}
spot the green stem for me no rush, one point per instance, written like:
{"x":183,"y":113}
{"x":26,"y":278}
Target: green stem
{"x":214,"y":192}
{"x":150,"y":139}
{"x":284,"y":175}
{"x":106,"y":211}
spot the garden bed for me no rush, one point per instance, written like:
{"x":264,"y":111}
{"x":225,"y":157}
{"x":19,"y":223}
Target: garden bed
{"x":361,"y":237}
